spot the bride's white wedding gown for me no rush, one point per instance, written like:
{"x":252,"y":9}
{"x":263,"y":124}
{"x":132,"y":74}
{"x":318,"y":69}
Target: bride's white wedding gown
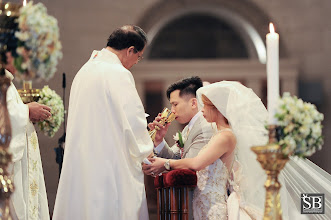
{"x":210,"y":195}
{"x":211,"y":199}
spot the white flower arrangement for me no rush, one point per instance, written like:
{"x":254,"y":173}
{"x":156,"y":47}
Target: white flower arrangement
{"x":51,"y":125}
{"x":300,"y":128}
{"x":39,"y":48}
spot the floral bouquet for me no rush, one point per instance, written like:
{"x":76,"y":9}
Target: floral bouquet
{"x":38,"y":46}
{"x":180,"y":141}
{"x":51,"y":125}
{"x":300,"y":128}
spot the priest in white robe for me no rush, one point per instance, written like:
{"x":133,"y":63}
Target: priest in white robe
{"x":29,"y":200}
{"x":107,"y":137}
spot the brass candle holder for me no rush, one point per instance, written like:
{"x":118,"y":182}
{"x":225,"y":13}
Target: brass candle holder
{"x":166,"y":117}
{"x":272,"y":161}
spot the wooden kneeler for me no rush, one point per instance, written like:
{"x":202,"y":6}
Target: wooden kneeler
{"x":173,"y":188}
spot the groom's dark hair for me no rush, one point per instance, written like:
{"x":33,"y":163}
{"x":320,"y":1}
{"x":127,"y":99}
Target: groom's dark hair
{"x":187,"y":86}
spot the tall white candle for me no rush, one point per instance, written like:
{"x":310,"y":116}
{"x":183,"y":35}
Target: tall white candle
{"x":24,"y":3}
{"x":272,"y":73}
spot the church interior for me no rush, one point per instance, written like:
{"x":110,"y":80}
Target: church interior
{"x":213,"y":39}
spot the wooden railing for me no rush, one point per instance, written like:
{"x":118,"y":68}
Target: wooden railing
{"x":173,"y":194}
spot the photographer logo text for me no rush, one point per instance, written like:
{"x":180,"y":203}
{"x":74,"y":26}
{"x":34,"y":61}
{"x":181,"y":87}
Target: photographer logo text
{"x":312,"y":203}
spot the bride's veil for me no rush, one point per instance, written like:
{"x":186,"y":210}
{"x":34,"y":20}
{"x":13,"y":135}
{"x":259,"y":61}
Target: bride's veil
{"x":247,"y":117}
{"x":301,"y":176}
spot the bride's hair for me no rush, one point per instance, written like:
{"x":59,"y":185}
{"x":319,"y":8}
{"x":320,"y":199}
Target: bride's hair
{"x":206,"y":101}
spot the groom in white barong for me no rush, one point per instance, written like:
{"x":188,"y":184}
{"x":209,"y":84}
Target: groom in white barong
{"x":107,"y":137}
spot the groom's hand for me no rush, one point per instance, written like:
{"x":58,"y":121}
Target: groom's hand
{"x":155,"y":168}
{"x":146,"y":170}
{"x":161,"y":130}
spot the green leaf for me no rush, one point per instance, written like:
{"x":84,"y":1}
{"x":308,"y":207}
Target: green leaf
{"x":180,"y":139}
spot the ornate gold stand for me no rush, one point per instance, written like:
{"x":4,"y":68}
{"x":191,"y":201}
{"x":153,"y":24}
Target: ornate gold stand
{"x":272,"y":161}
{"x":167,"y":117}
{"x":28,"y":94}
{"x":6,"y":186}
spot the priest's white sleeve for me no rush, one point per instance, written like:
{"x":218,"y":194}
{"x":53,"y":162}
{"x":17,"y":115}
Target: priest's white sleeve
{"x":19,"y":118}
{"x":133,"y":116}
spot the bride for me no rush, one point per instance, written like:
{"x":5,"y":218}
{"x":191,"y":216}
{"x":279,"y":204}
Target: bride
{"x":239,"y":116}
{"x":226,"y":163}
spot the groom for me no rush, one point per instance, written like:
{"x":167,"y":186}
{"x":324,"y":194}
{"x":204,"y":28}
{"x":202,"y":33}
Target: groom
{"x":197,"y":132}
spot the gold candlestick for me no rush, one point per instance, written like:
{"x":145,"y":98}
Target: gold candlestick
{"x":272,"y":161}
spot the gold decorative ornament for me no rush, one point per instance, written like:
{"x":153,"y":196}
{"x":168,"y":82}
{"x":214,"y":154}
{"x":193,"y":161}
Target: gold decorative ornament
{"x":6,"y":186}
{"x":166,"y":117}
{"x":28,"y":94}
{"x":9,"y":9}
{"x":272,"y":161}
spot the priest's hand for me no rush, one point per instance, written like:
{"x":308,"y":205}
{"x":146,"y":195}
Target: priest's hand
{"x":38,"y":112}
{"x":156,"y":167}
{"x":161,"y":129}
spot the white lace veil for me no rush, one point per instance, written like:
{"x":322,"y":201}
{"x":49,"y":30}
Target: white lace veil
{"x":247,"y":117}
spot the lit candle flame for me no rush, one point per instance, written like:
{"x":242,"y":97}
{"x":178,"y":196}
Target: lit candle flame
{"x":8,"y":13}
{"x":6,"y":6}
{"x":271,"y":28}
{"x":24,"y":2}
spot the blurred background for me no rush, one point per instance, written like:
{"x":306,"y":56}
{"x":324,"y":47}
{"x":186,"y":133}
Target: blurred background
{"x":213,"y":39}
